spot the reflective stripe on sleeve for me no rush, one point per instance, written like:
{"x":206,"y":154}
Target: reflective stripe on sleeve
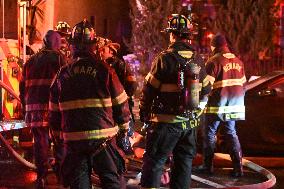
{"x":37,"y":124}
{"x":93,"y":134}
{"x":153,"y":81}
{"x":124,"y":126}
{"x":224,"y":109}
{"x":167,"y":118}
{"x":229,"y":82}
{"x":85,"y":103}
{"x":37,"y":82}
{"x":120,"y":98}
{"x":36,"y":107}
{"x":130,"y":78}
{"x":208,"y":79}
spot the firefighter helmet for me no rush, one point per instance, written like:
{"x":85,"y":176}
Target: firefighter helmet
{"x":63,"y":28}
{"x":178,"y":24}
{"x":104,"y":42}
{"x":83,"y":34}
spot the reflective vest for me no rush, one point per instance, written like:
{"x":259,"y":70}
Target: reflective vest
{"x":226,"y":75}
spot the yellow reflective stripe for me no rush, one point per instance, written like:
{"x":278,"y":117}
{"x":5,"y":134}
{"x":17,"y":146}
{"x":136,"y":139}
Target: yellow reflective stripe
{"x":53,"y":107}
{"x":86,"y":103}
{"x":200,"y":87}
{"x":120,"y":98}
{"x":224,"y":109}
{"x":130,"y":78}
{"x":93,"y":134}
{"x":36,"y":82}
{"x":228,"y":83}
{"x":167,"y":118}
{"x":229,"y":55}
{"x":237,"y":115}
{"x":169,"y":88}
{"x":153,"y":81}
{"x":124,"y":126}
{"x":37,"y":124}
{"x":36,"y":107}
{"x":185,"y":54}
{"x":207,"y":79}
{"x":244,"y":79}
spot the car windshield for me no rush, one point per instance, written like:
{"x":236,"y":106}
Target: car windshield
{"x":251,"y":84}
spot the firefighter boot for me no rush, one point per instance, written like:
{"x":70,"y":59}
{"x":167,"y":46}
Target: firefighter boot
{"x":236,"y":156}
{"x":237,"y":164}
{"x":207,"y":166}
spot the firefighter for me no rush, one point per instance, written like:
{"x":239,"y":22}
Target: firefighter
{"x":87,"y":97}
{"x":34,"y":85}
{"x":225,"y":104}
{"x":63,"y":28}
{"x":169,"y":104}
{"x":107,"y":51}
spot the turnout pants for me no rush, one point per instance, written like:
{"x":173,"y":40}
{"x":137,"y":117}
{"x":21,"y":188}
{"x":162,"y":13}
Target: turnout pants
{"x":82,"y":159}
{"x":41,"y":147}
{"x":164,"y":139}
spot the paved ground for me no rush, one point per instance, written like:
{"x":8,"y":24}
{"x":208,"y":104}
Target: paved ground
{"x":15,"y":176}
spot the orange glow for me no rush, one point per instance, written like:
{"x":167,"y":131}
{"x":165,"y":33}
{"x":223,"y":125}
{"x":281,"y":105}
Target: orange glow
{"x":209,"y":35}
{"x":30,"y":177}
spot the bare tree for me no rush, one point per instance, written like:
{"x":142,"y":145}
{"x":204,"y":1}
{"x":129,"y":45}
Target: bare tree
{"x":249,"y":25}
{"x":148,"y":19}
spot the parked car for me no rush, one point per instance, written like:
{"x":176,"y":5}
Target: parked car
{"x":262,"y":133}
{"x":263,"y":130}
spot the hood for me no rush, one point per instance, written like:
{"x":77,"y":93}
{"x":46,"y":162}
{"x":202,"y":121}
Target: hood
{"x":52,"y":40}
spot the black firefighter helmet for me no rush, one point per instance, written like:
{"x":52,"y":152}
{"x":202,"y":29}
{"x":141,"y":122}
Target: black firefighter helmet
{"x":83,"y":36}
{"x":63,"y":28}
{"x":179,"y":25}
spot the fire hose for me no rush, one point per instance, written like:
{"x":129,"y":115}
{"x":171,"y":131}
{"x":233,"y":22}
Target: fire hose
{"x":10,"y":149}
{"x":267,"y":184}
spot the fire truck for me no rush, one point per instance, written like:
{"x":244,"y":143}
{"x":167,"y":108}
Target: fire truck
{"x":12,"y":57}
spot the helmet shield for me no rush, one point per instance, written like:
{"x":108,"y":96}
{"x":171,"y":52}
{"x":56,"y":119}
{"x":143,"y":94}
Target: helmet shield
{"x":82,"y":33}
{"x":179,"y":24}
{"x":63,"y":28}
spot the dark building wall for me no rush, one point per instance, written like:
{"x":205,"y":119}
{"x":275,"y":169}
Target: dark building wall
{"x":110,"y":17}
{"x":10,"y":16}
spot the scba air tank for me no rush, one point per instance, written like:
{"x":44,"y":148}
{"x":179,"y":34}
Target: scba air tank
{"x":188,"y":82}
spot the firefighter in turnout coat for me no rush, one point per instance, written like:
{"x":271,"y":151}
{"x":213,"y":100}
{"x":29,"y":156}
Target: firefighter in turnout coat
{"x":88,"y":105}
{"x":34,"y":86}
{"x":225,"y":104}
{"x":107,"y":51}
{"x":163,"y":106}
